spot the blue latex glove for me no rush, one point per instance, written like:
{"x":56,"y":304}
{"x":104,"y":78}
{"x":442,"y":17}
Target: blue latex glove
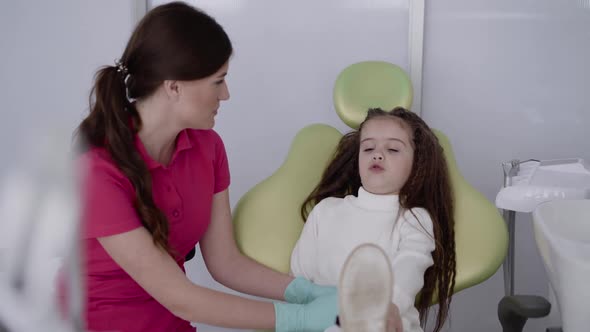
{"x":302,"y":291}
{"x":316,"y":315}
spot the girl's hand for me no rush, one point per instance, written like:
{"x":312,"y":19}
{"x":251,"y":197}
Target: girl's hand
{"x":394,"y":320}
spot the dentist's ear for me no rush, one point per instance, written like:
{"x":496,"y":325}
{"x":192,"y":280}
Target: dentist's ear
{"x":172,"y":89}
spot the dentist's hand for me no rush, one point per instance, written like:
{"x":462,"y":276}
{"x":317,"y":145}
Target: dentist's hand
{"x":316,"y":315}
{"x":303,"y":291}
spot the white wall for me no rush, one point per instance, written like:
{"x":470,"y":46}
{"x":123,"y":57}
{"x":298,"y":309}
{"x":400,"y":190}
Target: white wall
{"x":49,"y":52}
{"x":507,"y":79}
{"x":503,"y":79}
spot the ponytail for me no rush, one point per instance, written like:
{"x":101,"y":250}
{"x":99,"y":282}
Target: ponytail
{"x":112,"y":123}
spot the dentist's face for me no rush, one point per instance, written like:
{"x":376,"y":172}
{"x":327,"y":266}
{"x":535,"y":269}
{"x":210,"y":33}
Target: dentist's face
{"x":198,"y":100}
{"x":386,"y":155}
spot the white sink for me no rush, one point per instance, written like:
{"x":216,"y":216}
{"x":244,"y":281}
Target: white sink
{"x":562,"y":233}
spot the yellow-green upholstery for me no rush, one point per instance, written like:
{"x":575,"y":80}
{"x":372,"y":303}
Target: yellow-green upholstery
{"x":481,"y":237}
{"x":267,"y":219}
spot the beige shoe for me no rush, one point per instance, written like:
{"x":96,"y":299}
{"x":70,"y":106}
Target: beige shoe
{"x":365,"y":290}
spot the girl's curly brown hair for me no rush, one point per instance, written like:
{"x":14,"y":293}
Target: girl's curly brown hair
{"x":428,"y":187}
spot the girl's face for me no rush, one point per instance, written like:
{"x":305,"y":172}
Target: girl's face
{"x":199,"y":100}
{"x":386,"y":155}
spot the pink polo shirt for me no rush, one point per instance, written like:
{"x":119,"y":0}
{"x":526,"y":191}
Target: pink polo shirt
{"x":183,"y":190}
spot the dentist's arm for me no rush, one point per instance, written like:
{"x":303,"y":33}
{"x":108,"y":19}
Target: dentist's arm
{"x":231,"y":268}
{"x":159,"y":275}
{"x":228,"y":265}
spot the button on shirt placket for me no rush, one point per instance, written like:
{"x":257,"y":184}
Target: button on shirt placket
{"x":171,"y":190}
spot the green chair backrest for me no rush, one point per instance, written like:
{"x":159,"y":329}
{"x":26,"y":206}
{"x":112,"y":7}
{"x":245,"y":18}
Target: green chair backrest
{"x":267,"y":219}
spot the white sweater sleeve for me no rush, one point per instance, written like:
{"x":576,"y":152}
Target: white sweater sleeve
{"x":303,"y":257}
{"x":412,"y":259}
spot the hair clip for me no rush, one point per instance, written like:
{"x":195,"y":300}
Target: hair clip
{"x":121,"y":68}
{"x":124,"y":71}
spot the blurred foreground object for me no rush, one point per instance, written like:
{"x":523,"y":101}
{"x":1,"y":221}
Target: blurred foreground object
{"x":38,"y":237}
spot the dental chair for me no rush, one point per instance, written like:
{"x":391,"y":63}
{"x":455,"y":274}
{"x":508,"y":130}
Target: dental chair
{"x":267,"y":220}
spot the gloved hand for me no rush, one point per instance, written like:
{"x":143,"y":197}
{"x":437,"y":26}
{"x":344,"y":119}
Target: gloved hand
{"x":315,"y":316}
{"x":302,"y":291}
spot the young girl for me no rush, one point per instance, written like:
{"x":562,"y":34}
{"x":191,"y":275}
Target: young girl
{"x":388,"y":185}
